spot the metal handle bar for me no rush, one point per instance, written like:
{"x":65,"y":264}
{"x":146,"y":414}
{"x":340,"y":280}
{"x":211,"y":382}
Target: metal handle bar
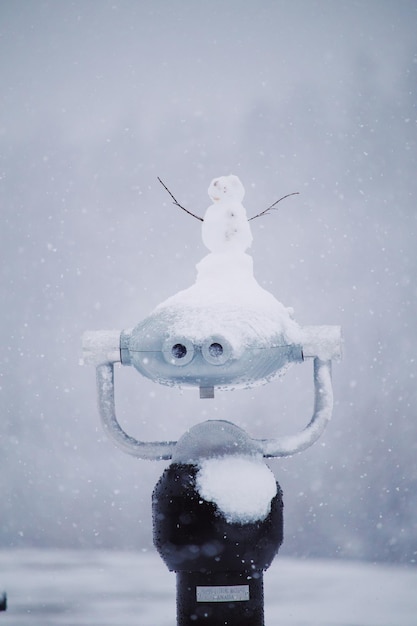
{"x":159,"y":450}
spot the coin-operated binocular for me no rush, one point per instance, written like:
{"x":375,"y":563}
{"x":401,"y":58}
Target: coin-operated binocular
{"x":217,"y":509}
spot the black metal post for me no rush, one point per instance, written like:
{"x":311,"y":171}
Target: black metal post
{"x":219,"y":564}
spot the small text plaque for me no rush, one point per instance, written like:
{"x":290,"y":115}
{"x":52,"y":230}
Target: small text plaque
{"x":223,"y":593}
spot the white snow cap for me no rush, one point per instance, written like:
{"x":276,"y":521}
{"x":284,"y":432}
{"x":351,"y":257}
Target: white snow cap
{"x":242,"y":487}
{"x":225,"y":226}
{"x":226,"y":298}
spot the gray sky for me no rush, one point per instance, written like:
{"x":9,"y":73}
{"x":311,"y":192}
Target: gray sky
{"x":100,"y":98}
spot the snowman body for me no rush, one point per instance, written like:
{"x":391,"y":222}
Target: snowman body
{"x":225,"y":227}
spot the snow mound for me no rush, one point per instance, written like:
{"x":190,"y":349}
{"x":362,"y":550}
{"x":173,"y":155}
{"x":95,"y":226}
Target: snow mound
{"x":227,"y":298}
{"x":242,"y":487}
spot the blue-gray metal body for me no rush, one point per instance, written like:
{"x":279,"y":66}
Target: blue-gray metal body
{"x":211,"y":363}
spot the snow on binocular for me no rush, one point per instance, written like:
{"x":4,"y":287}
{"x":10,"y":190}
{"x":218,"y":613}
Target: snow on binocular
{"x":225,"y":331}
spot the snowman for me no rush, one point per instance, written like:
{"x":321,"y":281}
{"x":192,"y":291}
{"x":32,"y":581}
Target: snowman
{"x":225,"y":225}
{"x":226,"y":297}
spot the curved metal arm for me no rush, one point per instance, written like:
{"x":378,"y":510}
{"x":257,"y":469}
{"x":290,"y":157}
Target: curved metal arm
{"x":149,"y":450}
{"x":323,"y":406}
{"x":160,"y":450}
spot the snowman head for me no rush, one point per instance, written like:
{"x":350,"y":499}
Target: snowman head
{"x":226,"y":188}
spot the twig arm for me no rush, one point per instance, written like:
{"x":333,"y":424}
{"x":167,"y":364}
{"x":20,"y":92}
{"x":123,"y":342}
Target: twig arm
{"x":273,"y":206}
{"x":175,"y":201}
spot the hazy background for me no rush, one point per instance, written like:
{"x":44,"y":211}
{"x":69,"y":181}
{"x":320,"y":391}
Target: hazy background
{"x":97,"y":99}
